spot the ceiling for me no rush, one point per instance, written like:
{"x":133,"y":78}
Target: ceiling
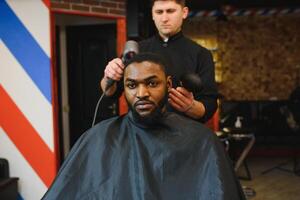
{"x":215,"y":4}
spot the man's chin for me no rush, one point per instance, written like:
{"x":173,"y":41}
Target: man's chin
{"x":148,"y":117}
{"x":144,"y":113}
{"x":166,"y":33}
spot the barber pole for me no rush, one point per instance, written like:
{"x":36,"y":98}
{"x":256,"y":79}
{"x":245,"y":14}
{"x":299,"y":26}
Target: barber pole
{"x":230,"y":11}
{"x":26,"y":108}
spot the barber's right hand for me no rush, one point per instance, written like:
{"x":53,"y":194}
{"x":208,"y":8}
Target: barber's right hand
{"x":114,"y":69}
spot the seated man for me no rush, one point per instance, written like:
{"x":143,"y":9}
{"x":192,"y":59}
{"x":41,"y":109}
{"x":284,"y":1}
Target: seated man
{"x":149,"y":153}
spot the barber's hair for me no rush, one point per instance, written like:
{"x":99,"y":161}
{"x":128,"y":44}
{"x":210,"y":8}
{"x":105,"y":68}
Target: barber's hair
{"x":150,"y":57}
{"x":181,"y":2}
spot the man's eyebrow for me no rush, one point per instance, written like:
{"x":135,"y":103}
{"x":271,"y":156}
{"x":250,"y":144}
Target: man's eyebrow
{"x":129,"y":79}
{"x":150,"y":77}
{"x":146,"y":79}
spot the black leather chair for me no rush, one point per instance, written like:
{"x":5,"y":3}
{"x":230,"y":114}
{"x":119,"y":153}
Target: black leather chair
{"x":8,"y":185}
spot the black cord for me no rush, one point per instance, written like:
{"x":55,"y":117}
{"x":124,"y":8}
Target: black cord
{"x":96,"y":109}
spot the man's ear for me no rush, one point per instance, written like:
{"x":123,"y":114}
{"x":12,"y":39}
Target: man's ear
{"x":185,"y":12}
{"x":169,"y":82}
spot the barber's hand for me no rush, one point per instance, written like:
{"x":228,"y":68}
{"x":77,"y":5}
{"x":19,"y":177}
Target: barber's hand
{"x":181,"y":99}
{"x":114,"y":69}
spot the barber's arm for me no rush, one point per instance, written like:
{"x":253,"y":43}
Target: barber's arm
{"x":113,"y":70}
{"x":183,"y":101}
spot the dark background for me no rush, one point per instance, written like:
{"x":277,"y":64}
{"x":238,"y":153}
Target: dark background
{"x":140,"y":24}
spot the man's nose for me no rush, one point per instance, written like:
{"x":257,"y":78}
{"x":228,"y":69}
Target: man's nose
{"x":164,"y":17}
{"x":142,"y":91}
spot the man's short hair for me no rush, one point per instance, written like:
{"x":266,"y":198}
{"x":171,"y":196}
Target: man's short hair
{"x":150,"y":57}
{"x":181,"y":2}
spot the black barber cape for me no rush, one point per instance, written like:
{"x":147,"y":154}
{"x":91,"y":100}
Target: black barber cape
{"x":120,"y":159}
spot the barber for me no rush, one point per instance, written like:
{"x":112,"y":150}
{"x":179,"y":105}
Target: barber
{"x":184,"y":55}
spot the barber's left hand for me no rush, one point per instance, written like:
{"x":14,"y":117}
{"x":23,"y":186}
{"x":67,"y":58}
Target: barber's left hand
{"x":181,"y":99}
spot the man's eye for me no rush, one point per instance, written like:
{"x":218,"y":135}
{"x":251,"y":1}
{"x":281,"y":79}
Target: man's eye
{"x":171,"y":11}
{"x":131,"y":85}
{"x":158,"y":12}
{"x":152,"y":83}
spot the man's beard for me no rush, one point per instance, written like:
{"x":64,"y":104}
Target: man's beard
{"x":155,"y":116}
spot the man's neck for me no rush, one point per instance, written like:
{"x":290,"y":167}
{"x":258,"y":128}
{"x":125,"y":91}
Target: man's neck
{"x":165,"y":38}
{"x":169,"y":38}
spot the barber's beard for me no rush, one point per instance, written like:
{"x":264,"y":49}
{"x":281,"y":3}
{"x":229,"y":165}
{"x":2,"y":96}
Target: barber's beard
{"x":154,"y":117}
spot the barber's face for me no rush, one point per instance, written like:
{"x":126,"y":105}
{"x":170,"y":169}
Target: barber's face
{"x":168,"y":17}
{"x":145,"y":87}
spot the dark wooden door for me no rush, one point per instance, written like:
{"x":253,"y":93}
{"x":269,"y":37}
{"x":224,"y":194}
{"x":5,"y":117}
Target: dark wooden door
{"x":89,"y":48}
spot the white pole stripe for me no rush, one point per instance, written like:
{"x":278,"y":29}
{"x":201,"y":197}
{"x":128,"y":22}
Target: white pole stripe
{"x":213,"y":13}
{"x":201,"y":13}
{"x":26,"y":95}
{"x":284,"y":11}
{"x":247,"y":12}
{"x":271,"y":12}
{"x":34,"y":14}
{"x":260,"y":12}
{"x":235,"y":13}
{"x":31,"y":187}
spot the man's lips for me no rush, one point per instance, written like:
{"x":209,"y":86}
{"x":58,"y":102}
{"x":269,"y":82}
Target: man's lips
{"x":143,"y":105}
{"x":166,"y":26}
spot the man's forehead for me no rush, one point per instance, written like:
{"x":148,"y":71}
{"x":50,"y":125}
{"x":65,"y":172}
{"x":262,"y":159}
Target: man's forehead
{"x":165,"y":5}
{"x":142,"y":70}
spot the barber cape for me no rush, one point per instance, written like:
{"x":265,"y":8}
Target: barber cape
{"x":120,"y":159}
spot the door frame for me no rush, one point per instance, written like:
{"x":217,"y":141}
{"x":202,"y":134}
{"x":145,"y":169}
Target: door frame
{"x":121,"y":40}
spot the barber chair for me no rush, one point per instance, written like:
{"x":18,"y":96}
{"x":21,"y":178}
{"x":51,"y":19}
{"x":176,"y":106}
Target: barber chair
{"x":8,"y":185}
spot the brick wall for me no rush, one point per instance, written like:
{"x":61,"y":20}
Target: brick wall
{"x":259,"y":55}
{"x":103,"y":7}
